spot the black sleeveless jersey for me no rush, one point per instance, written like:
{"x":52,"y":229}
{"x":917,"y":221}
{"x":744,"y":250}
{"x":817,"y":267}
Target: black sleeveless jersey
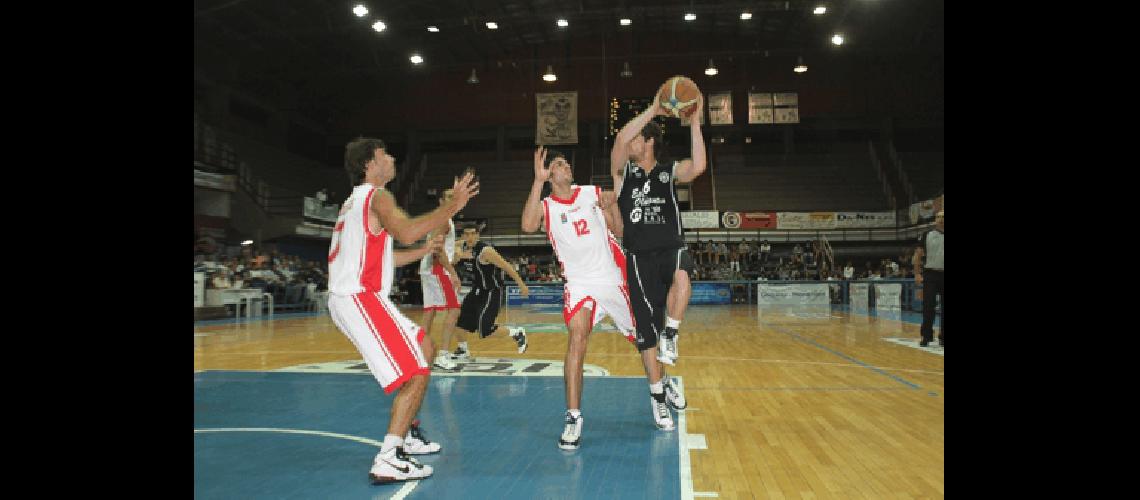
{"x":466,"y":270}
{"x":648,"y":204}
{"x":486,"y":275}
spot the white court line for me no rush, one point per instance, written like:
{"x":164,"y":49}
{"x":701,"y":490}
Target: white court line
{"x":697,"y":442}
{"x":406,"y":490}
{"x":706,"y":494}
{"x":403,"y":492}
{"x":686,"y":470}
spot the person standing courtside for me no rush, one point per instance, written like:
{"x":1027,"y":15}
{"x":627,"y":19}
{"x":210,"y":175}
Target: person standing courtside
{"x":930,"y":272}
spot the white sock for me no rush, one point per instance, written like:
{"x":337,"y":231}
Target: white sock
{"x":672,"y":323}
{"x":575,"y":413}
{"x":657,"y":388}
{"x":390,"y":442}
{"x":443,"y":352}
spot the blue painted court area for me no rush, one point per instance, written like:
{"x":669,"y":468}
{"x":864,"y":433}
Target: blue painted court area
{"x":499,"y":438}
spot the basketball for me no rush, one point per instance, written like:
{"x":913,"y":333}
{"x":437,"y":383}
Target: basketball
{"x":678,"y":96}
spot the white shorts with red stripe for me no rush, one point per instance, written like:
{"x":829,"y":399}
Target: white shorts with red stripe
{"x":602,"y":301}
{"x":439,"y":289}
{"x":389,"y":342}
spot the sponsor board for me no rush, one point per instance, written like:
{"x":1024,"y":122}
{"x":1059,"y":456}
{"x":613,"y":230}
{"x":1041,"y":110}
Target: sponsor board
{"x":539,"y":294}
{"x":793,"y":294}
{"x":699,"y":219}
{"x":710,"y":293}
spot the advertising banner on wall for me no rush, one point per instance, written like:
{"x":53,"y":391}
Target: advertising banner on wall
{"x":711,"y":293}
{"x":539,"y":294}
{"x":888,"y":295}
{"x":317,"y":210}
{"x":700,"y":219}
{"x":805,"y":220}
{"x":848,"y":220}
{"x":860,"y":295}
{"x":199,"y":289}
{"x":793,"y":294}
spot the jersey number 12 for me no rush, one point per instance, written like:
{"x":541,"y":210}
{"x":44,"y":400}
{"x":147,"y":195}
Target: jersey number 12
{"x":580,"y":227}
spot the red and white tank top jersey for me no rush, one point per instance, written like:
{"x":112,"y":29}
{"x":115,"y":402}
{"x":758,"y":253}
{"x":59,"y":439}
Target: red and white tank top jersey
{"x":359,"y":260}
{"x":589,"y":254}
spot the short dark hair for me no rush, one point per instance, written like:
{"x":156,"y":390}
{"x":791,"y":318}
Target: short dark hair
{"x":358,"y":153}
{"x":474,"y":226}
{"x":652,"y":130}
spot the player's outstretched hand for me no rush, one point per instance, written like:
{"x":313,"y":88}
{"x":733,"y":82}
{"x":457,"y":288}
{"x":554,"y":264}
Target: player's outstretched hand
{"x":524,"y":291}
{"x":464,"y":189}
{"x":541,"y":171}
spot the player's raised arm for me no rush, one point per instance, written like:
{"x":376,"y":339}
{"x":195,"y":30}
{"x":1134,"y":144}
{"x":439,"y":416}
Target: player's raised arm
{"x":408,"y":230}
{"x":619,"y":155}
{"x":532,"y":211}
{"x":689,"y":168}
{"x":491,"y":255}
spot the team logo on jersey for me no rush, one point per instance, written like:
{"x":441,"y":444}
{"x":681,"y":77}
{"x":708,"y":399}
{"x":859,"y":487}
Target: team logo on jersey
{"x":564,"y":220}
{"x":645,"y":188}
{"x":637,"y":172}
{"x":635,"y":215}
{"x":664,"y":177}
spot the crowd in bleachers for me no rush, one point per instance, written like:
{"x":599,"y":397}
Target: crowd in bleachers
{"x":291,"y":280}
{"x":756,"y":260}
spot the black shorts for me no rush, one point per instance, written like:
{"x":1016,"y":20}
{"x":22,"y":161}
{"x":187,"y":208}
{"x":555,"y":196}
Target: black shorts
{"x":479,"y":310}
{"x":649,"y":275}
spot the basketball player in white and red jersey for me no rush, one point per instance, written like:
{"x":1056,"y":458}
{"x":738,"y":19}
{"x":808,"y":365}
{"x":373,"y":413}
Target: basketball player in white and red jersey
{"x":594,"y":267}
{"x":440,"y":284}
{"x":361,"y":266}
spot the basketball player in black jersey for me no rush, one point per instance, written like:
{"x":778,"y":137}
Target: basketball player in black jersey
{"x":659,"y":262}
{"x":481,"y":305}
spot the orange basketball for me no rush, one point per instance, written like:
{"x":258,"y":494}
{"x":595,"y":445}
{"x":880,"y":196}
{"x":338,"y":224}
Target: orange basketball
{"x":678,"y":96}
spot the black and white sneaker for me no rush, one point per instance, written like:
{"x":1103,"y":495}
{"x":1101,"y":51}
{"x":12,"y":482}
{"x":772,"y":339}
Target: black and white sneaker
{"x":461,"y":354}
{"x":661,"y":414}
{"x":416,"y":444}
{"x":673,"y":396}
{"x":572,"y":434}
{"x":519,"y":334}
{"x":395,"y":465}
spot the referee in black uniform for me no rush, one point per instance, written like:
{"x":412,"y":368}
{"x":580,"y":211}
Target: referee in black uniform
{"x":658,"y":263}
{"x":930,"y":272}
